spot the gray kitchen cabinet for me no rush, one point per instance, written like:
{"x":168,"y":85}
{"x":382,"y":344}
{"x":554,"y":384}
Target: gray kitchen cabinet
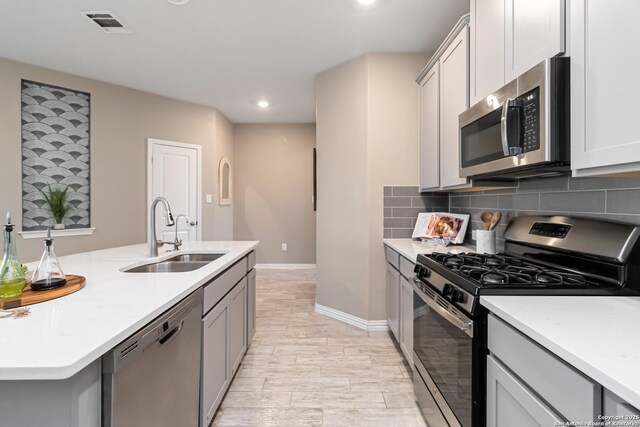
{"x":237,"y":325}
{"x":393,"y":300}
{"x":567,"y":393}
{"x":511,"y":403}
{"x":605,"y":131}
{"x":622,"y":412}
{"x":406,"y":318}
{"x":216,"y":375}
{"x":508,"y":37}
{"x":251,"y":305}
{"x":444,"y":94}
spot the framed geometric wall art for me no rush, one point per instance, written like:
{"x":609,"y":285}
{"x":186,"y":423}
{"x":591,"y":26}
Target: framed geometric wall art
{"x":55,"y":155}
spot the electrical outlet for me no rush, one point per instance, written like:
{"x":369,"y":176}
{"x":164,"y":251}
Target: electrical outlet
{"x":473,"y":234}
{"x":284,"y":247}
{"x":209,"y":198}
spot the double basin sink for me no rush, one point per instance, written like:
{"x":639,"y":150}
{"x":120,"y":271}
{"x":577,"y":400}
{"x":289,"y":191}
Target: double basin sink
{"x":177,"y":264}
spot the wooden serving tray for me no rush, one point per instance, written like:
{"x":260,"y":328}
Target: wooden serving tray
{"x":29,"y":296}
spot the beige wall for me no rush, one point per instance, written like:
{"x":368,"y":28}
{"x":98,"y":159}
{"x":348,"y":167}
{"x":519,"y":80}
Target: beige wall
{"x":121,"y":121}
{"x":273,"y":188}
{"x":367,"y":137}
{"x":222,"y":215}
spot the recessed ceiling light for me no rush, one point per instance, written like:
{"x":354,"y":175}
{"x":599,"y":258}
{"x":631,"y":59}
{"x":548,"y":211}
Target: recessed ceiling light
{"x":263,"y":104}
{"x":366,"y":2}
{"x":178,"y":2}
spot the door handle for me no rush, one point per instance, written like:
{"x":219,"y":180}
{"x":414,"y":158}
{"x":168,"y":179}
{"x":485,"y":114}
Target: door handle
{"x":504,"y":127}
{"x":171,"y":334}
{"x":193,"y":223}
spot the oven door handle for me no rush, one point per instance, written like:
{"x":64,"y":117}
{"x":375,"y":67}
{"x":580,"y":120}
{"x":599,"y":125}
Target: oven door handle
{"x":464,"y":326}
{"x":504,"y":127}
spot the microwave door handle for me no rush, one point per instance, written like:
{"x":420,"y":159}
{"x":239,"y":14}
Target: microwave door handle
{"x":504,"y":127}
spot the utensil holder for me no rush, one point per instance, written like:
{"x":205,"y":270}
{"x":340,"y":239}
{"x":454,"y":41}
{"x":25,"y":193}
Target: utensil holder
{"x":486,"y":241}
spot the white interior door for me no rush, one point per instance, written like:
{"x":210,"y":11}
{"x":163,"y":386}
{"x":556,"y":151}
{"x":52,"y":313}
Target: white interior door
{"x":175,"y":175}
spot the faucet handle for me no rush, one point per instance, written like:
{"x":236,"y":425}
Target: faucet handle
{"x":176,"y":244}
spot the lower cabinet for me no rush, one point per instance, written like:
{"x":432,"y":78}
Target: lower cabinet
{"x":510,"y":403}
{"x":393,"y":300}
{"x":616,"y":410}
{"x":406,"y":320}
{"x":216,"y":374}
{"x":237,"y":325}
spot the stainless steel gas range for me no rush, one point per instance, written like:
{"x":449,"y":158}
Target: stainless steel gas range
{"x":543,"y":256}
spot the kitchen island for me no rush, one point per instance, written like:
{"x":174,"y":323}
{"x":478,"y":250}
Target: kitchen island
{"x":55,"y":352}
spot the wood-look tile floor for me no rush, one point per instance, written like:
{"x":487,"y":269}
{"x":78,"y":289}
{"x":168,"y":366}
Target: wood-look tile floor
{"x":306,"y":369}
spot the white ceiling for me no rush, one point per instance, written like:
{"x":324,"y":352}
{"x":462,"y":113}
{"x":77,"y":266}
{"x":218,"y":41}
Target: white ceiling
{"x":222,"y":53}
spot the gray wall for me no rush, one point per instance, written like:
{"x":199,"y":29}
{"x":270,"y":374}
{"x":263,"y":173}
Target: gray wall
{"x":121,"y":121}
{"x":273,"y":191}
{"x":402,"y":206}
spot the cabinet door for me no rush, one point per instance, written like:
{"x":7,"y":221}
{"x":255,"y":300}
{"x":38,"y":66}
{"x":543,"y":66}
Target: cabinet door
{"x":215,"y":361}
{"x":251,"y":305}
{"x":510,"y":403}
{"x":393,"y":300}
{"x":487,"y":48}
{"x":613,"y":406}
{"x":454,"y":99}
{"x":430,"y":129}
{"x":605,"y":130}
{"x":534,"y":31}
{"x":406,"y":321}
{"x":237,"y":325}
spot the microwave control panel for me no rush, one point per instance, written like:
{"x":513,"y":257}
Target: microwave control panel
{"x":530,"y":120}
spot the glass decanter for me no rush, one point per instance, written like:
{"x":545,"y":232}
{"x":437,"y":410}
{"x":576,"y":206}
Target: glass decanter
{"x":12,"y":275}
{"x":48,"y":275}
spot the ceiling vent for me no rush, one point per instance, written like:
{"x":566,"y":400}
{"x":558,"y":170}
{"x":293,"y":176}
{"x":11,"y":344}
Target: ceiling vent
{"x":107,"y":21}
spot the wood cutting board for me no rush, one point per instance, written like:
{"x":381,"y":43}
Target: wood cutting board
{"x":29,"y":296}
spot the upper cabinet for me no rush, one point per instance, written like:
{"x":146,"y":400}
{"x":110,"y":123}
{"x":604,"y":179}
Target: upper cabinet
{"x":508,"y":37}
{"x":605,"y":130}
{"x":444,"y":95}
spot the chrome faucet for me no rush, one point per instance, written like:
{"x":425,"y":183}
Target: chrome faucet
{"x":178,"y":242}
{"x":153,"y":241}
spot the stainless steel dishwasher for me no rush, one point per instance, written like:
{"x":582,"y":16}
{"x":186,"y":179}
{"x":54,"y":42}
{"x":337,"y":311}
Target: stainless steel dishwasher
{"x":153,"y":377}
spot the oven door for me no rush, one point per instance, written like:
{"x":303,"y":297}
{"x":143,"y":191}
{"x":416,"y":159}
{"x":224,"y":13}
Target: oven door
{"x":443,"y":355}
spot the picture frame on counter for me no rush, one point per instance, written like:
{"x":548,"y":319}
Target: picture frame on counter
{"x":431,"y":225}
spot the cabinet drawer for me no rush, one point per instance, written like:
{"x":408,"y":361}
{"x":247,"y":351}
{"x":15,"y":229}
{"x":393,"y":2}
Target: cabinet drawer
{"x":573,"y":395}
{"x":393,"y":257}
{"x":251,"y":260}
{"x":406,"y":268}
{"x":218,"y":287}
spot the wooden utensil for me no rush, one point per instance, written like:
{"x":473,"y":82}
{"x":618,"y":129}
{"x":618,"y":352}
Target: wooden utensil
{"x":486,"y":218}
{"x":497,"y":216}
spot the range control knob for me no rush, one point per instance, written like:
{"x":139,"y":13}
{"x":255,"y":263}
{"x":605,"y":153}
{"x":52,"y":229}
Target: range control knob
{"x":447,"y":290}
{"x":421,"y":271}
{"x":457,"y":296}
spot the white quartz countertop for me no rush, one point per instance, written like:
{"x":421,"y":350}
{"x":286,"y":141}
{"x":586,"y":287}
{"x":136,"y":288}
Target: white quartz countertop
{"x":410,"y":248}
{"x":597,"y":335}
{"x":62,"y":336}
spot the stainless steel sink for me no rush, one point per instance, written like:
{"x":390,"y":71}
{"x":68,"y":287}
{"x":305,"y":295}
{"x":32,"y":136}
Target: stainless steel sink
{"x":177,"y":264}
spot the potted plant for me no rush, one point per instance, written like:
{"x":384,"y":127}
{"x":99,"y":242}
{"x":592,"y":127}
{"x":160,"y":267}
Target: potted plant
{"x":57,"y":200}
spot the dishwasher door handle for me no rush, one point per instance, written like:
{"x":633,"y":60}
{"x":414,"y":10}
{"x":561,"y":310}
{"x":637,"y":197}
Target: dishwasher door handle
{"x":171,"y":334}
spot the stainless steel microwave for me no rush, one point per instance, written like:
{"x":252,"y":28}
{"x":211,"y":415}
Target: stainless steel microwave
{"x":522,"y":129}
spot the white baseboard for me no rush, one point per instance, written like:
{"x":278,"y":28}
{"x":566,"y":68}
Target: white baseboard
{"x":367,"y":325}
{"x":285,"y":266}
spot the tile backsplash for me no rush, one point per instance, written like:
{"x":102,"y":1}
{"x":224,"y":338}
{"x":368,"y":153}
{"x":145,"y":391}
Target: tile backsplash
{"x":402,"y":206}
{"x":616,"y":199}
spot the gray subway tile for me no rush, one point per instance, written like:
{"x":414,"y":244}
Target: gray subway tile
{"x":387,"y":212}
{"x":627,"y":219}
{"x":507,"y":190}
{"x":397,"y":201}
{"x":623,"y":201}
{"x":401,"y":233}
{"x":388,"y":191}
{"x":581,"y":201}
{"x":431,"y":201}
{"x":544,"y":184}
{"x":489,"y":202}
{"x":406,"y":212}
{"x":603,"y":183}
{"x":518,"y":201}
{"x":397,"y":223}
{"x":459,"y":202}
{"x":387,"y":233}
{"x":406,"y":191}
